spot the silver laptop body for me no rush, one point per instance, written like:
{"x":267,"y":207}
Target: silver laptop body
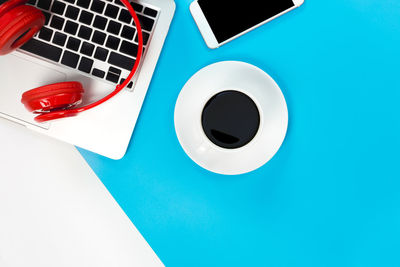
{"x":91,"y":41}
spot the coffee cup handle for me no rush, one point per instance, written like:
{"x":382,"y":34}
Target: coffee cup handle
{"x":203,"y":148}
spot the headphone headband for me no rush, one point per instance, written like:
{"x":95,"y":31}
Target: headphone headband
{"x":61,"y":103}
{"x":119,"y":87}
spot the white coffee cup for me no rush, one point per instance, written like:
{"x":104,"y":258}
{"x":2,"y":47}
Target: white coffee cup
{"x":252,"y":82}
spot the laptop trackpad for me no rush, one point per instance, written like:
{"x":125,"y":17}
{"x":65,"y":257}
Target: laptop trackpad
{"x":18,"y":75}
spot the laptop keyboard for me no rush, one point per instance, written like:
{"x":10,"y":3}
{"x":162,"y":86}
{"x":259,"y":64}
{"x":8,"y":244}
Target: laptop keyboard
{"x":95,"y":37}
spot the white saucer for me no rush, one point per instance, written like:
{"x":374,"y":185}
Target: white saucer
{"x":245,"y":78}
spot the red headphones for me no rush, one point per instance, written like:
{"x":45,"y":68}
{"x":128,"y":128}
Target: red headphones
{"x":18,"y":24}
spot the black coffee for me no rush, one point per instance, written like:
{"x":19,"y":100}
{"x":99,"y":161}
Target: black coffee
{"x":230,"y":119}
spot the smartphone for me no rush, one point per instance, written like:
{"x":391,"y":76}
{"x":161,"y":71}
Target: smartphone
{"x":221,"y":21}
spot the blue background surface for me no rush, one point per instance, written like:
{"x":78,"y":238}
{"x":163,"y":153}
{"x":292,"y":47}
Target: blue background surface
{"x":331,"y":195}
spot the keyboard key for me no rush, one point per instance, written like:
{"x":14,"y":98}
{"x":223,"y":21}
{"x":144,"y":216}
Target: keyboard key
{"x":112,"y":42}
{"x":70,"y":1}
{"x":58,"y":7}
{"x":45,"y":34}
{"x":70,"y":59}
{"x":130,"y":84}
{"x":44,"y":4}
{"x":47,"y":16}
{"x":146,"y":37}
{"x":114,"y":27}
{"x":83,"y":3}
{"x":150,"y":12}
{"x":137,"y":7}
{"x":100,"y":22}
{"x":146,"y":23}
{"x":112,"y":77}
{"x":98,"y":73}
{"x":114,"y":70}
{"x":30,"y":2}
{"x":130,"y":49}
{"x":43,"y":49}
{"x":59,"y":39}
{"x":85,"y":32}
{"x":87,"y":49}
{"x":73,"y":43}
{"x":125,"y":16}
{"x":71,"y":27}
{"x":128,"y":32}
{"x":111,"y":11}
{"x":57,"y":22}
{"x":99,"y":37}
{"x":72,"y":12}
{"x":121,"y":61}
{"x":101,"y":54}
{"x":97,"y":6}
{"x":119,"y":3}
{"x":86,"y":17}
{"x":86,"y":65}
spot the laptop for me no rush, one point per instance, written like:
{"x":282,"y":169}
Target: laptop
{"x":90,"y":41}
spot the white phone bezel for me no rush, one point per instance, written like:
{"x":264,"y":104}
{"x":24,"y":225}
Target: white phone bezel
{"x":207,"y":32}
{"x":203,"y":25}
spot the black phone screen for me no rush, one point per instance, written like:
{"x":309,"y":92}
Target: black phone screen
{"x":228,"y":18}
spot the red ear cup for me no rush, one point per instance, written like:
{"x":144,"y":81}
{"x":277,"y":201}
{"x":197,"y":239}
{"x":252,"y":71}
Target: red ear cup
{"x":53,"y":97}
{"x":55,"y":115}
{"x":8,"y":5}
{"x":18,"y":24}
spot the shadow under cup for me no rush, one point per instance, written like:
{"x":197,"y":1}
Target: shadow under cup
{"x":230,"y":119}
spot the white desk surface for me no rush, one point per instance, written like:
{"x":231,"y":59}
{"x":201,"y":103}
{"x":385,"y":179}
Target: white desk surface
{"x":54,"y":211}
